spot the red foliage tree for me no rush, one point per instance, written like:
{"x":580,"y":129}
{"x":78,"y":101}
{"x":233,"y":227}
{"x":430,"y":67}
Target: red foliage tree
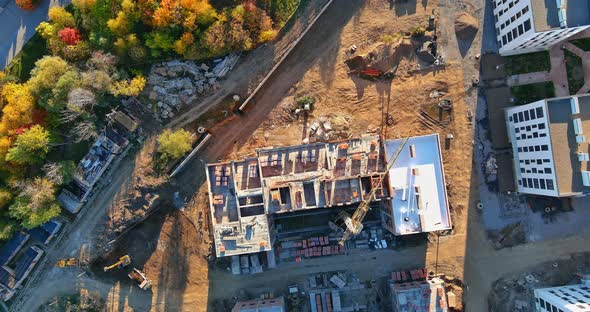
{"x":69,"y":36}
{"x":27,"y":4}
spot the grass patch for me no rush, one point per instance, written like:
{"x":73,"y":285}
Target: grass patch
{"x":528,"y":63}
{"x":532,"y":92}
{"x":22,"y":64}
{"x":583,"y":44}
{"x":575,"y":72}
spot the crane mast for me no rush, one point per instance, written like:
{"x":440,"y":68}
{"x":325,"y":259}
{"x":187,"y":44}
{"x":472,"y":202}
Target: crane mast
{"x":354,"y":224}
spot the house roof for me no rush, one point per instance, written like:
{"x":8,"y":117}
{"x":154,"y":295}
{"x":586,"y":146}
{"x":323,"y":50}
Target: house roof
{"x":125,"y":121}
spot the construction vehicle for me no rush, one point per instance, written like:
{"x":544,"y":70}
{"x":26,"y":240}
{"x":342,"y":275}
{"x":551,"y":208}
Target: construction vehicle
{"x":123,"y":262}
{"x":62,"y":263}
{"x":139,"y":277}
{"x":354,"y":225}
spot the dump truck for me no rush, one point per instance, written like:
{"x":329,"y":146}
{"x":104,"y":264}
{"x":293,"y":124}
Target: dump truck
{"x":139,"y":277}
{"x":123,"y":262}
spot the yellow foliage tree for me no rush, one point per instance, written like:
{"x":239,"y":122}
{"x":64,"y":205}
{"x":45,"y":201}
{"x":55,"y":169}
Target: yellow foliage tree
{"x":84,"y":5}
{"x":61,"y":17}
{"x":131,"y":87}
{"x":180,"y":47}
{"x":119,"y":25}
{"x":17,"y":110}
{"x":46,"y":30}
{"x":128,"y":6}
{"x":267,"y":35}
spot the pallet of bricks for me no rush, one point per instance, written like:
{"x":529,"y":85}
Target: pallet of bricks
{"x":319,"y":246}
{"x":407,"y":276}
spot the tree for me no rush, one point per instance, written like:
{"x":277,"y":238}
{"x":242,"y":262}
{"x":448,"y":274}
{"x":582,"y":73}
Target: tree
{"x":175,"y":144}
{"x":84,"y":130}
{"x":17,"y":111}
{"x":36,"y":204}
{"x":59,"y":173}
{"x":102,"y":61}
{"x":5,"y":197}
{"x":119,"y":25}
{"x":30,"y":147}
{"x":159,"y":42}
{"x":131,"y":87}
{"x":81,"y":101}
{"x":61,"y":17}
{"x":51,"y":81}
{"x":28,"y":5}
{"x":69,"y":36}
{"x":98,"y":80}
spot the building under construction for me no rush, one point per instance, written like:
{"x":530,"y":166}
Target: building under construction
{"x":245,"y":195}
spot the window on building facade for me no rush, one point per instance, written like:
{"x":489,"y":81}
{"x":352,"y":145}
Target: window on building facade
{"x":539,"y":112}
{"x":536,"y":183}
{"x":532,"y":112}
{"x":528,"y":128}
{"x":524,"y":183}
{"x":549,"y":184}
{"x":542,"y":184}
{"x":527,"y":117}
{"x":543,"y":135}
{"x":544,"y":147}
{"x":547,"y":170}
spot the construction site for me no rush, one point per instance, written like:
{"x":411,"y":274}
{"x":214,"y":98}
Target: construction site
{"x":377,"y":164}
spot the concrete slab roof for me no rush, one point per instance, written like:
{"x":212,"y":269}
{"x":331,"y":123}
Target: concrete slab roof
{"x":417,"y":182}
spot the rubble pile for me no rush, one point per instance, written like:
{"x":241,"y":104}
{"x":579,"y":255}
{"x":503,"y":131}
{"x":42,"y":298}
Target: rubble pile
{"x":326,"y":128}
{"x":177,"y":83}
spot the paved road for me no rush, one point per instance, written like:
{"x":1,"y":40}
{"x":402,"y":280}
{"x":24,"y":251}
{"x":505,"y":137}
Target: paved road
{"x":18,"y":26}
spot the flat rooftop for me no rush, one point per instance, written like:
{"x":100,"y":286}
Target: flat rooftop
{"x":553,"y":14}
{"x":563,"y":140}
{"x":419,"y":198}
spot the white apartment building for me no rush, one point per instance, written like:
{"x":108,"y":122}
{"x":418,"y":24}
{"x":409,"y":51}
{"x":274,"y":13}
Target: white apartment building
{"x":550,"y":148}
{"x":524,"y":26}
{"x":569,"y":298}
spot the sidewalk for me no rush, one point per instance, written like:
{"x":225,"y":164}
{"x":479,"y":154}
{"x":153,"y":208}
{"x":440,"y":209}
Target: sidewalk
{"x":18,"y":26}
{"x":528,"y":78}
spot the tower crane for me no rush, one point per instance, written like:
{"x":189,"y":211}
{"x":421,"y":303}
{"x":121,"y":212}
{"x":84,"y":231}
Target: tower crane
{"x":354,"y":224}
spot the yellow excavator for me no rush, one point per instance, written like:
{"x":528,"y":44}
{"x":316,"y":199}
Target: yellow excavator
{"x":123,"y":262}
{"x":62,"y":263}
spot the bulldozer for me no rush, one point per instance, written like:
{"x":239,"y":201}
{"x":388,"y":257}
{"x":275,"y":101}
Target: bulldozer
{"x":62,"y":263}
{"x":139,"y":277}
{"x":123,"y":262}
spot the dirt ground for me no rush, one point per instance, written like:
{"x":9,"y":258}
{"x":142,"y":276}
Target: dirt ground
{"x":516,"y":288}
{"x":360,"y":106}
